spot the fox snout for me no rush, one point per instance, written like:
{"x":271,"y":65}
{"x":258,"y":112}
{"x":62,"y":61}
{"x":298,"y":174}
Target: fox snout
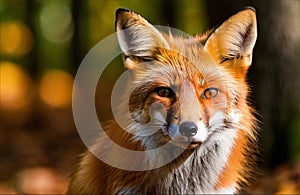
{"x":190,"y":124}
{"x":188,"y":129}
{"x":188,"y":132}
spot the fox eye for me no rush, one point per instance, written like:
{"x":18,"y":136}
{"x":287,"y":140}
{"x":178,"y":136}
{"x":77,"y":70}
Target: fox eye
{"x":210,"y":93}
{"x":164,"y":92}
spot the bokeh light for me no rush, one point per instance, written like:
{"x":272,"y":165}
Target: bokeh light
{"x":15,"y":87}
{"x":15,"y":38}
{"x":56,"y":22}
{"x":55,"y":88}
{"x":42,"y":180}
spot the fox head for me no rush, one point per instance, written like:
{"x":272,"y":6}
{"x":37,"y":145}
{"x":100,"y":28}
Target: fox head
{"x":189,"y":89}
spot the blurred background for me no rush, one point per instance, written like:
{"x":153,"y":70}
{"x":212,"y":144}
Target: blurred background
{"x":42,"y":43}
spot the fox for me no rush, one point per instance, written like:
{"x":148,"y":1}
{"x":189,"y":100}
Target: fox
{"x":193,"y":92}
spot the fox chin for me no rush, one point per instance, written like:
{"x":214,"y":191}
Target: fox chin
{"x":188,"y":106}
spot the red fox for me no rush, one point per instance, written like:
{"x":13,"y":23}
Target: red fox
{"x":200,"y":84}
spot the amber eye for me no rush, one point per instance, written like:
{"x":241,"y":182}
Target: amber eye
{"x":210,"y":93}
{"x":164,"y":92}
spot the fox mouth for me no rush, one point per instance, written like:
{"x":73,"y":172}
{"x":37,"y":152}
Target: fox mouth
{"x":195,"y":144}
{"x":188,"y":144}
{"x":185,"y":142}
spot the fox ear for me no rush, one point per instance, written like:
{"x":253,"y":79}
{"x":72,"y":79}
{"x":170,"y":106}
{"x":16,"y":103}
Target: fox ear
{"x":137,"y":38}
{"x":232,"y":43}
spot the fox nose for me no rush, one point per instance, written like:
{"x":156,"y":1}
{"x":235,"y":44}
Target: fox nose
{"x":188,"y":129}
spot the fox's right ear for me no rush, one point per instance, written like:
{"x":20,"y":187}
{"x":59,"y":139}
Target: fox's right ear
{"x":137,"y":38}
{"x":231,"y":44}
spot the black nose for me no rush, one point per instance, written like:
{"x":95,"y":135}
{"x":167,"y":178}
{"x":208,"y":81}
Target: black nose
{"x":188,"y":129}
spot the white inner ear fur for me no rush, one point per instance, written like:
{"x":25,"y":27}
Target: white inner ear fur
{"x":236,"y":37}
{"x":139,"y":38}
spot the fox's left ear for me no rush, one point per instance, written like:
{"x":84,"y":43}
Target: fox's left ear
{"x":232,"y":43}
{"x":139,"y":40}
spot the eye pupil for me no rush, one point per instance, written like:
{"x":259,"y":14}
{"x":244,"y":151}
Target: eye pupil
{"x":210,"y":93}
{"x":164,"y":92}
